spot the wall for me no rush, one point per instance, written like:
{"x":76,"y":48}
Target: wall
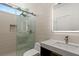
{"x":67,"y":9}
{"x":43,"y":19}
{"x":7,"y":38}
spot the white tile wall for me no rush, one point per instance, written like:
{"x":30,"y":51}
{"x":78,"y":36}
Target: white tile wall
{"x":7,"y":38}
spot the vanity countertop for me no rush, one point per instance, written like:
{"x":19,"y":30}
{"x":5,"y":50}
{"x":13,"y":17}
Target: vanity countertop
{"x":50,"y":45}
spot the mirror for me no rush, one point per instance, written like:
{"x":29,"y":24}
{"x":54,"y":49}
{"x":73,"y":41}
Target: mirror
{"x":66,"y":17}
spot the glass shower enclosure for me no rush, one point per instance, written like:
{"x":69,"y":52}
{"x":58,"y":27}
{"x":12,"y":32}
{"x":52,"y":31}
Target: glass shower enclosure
{"x":25,"y":33}
{"x":24,"y":23}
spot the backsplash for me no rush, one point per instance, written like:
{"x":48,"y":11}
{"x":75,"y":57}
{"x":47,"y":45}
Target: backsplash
{"x":73,"y":37}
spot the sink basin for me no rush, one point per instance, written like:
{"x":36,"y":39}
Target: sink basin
{"x":66,"y":46}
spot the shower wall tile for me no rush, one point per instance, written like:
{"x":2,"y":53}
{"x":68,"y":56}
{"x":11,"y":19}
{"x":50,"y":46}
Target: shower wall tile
{"x":7,"y":38}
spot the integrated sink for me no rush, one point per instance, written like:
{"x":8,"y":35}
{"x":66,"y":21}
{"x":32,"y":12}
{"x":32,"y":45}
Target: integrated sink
{"x":60,"y":47}
{"x":68,"y":47}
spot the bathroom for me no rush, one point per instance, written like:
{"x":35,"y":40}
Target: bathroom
{"x":32,"y":29}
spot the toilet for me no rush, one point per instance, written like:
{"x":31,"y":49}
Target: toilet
{"x":33,"y":52}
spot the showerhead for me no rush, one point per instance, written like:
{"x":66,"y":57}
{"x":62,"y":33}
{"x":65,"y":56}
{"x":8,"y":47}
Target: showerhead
{"x":23,"y":14}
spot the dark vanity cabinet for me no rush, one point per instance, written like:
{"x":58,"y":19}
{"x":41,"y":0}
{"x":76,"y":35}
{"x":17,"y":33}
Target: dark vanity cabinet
{"x":46,"y":52}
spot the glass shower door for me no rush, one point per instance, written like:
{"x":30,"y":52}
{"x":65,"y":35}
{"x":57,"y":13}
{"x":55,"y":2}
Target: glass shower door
{"x":25,"y":34}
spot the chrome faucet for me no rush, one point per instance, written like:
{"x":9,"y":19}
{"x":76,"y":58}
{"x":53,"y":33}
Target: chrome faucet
{"x":66,"y":39}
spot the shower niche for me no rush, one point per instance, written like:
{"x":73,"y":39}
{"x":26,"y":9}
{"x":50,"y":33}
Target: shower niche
{"x":12,"y":28}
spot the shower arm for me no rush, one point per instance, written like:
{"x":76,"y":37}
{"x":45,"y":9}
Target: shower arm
{"x":26,"y":11}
